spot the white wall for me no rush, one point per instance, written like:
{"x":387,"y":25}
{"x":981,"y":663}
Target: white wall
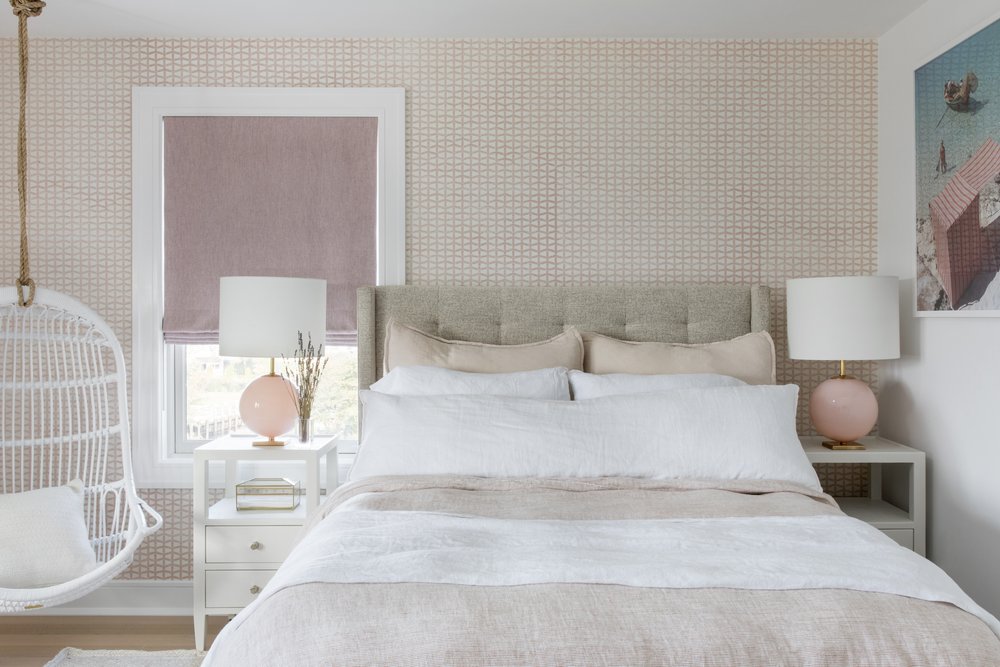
{"x":943,"y":395}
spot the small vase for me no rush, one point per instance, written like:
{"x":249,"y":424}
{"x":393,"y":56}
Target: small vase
{"x":305,"y":429}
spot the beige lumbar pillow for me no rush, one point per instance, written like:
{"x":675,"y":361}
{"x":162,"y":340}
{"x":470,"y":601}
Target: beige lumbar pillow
{"x":749,"y":358}
{"x":406,"y":346}
{"x":43,"y":537}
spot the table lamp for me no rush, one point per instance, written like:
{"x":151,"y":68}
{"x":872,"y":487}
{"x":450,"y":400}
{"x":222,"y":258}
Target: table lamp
{"x":851,"y":317}
{"x":263,"y":317}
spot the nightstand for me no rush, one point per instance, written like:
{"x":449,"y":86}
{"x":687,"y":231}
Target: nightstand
{"x":897,"y":496}
{"x":237,"y":552}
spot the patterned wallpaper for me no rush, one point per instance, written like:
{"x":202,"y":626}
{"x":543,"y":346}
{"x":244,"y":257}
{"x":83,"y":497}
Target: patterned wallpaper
{"x":541,"y":162}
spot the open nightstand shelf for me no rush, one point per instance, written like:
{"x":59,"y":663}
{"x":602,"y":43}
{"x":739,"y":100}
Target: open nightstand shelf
{"x":897,"y":497}
{"x":224,"y":512}
{"x":879,"y":513}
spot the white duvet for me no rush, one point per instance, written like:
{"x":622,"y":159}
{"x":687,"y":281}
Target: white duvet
{"x":763,"y":553}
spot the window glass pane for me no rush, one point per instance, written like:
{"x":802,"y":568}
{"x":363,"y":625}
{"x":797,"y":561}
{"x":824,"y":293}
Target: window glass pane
{"x":213,"y":386}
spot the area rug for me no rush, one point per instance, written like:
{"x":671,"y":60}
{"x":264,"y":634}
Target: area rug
{"x":78,"y":657}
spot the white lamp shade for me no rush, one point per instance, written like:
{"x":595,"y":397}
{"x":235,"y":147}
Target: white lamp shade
{"x":262,"y":316}
{"x":854,"y":317}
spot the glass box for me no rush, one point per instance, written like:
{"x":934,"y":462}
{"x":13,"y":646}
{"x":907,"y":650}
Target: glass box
{"x":268,"y":493}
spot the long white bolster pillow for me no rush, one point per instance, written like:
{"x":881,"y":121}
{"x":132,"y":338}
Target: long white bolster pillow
{"x":722,"y":433}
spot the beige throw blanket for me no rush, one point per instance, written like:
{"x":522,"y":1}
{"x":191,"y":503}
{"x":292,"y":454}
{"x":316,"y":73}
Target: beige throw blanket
{"x":573,"y":623}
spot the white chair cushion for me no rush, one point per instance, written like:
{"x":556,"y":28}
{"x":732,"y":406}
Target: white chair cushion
{"x":43,"y":537}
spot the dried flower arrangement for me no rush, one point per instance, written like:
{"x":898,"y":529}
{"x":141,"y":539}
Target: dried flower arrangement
{"x":305,"y":369}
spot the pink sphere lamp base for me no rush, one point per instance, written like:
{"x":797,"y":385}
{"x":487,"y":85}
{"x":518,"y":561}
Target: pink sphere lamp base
{"x":843,"y":409}
{"x":267,"y":407}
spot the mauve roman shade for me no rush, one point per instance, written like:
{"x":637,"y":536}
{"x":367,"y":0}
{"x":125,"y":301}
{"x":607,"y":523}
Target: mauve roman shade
{"x":266,"y":196}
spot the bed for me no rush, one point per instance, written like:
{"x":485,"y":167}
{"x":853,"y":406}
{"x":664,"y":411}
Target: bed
{"x":604,"y":565}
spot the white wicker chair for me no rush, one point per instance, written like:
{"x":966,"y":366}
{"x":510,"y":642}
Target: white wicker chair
{"x":63,"y":416}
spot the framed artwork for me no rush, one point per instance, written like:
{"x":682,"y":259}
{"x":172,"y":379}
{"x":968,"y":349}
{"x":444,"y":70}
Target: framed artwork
{"x":957,"y":114}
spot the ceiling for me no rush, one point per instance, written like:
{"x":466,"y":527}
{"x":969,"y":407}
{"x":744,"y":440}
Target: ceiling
{"x":723,"y":19}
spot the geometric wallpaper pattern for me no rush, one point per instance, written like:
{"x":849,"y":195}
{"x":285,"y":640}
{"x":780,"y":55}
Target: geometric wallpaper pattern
{"x":529,"y":162}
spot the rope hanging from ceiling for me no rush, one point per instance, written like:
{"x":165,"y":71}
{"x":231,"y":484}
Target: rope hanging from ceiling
{"x":23,"y":10}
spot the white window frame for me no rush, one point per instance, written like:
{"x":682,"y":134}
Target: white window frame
{"x":174,"y":395}
{"x":155,"y":461}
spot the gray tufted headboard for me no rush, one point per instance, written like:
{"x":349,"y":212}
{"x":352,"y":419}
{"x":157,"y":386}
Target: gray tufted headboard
{"x":682,"y":313}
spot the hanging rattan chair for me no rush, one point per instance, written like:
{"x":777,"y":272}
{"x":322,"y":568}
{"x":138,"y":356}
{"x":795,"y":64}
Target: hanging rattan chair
{"x":64,"y":416}
{"x":64,"y":403}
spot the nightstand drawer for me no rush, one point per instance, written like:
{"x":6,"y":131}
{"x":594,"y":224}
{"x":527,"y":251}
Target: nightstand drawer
{"x":249,"y":544}
{"x":234,"y":588}
{"x":902,"y":536}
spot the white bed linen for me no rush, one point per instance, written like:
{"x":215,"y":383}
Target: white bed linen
{"x":595,"y":385}
{"x":755,"y":553}
{"x":722,"y":433}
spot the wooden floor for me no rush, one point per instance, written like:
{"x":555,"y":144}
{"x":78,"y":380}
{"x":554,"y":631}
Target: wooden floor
{"x":33,"y":641}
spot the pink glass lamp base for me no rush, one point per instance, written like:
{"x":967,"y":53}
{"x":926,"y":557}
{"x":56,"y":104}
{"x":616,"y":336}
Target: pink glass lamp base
{"x":843,"y":409}
{"x":267,"y":407}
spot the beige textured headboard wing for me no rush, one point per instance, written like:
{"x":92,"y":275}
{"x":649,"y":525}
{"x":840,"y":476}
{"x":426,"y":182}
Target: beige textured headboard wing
{"x":681,"y":313}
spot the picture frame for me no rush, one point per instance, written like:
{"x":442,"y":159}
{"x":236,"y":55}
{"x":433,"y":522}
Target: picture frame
{"x":957,"y":185}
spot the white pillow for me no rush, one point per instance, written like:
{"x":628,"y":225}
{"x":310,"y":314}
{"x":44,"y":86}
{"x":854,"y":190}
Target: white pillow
{"x":546,"y":383}
{"x":592,"y":385}
{"x":717,"y":433}
{"x":43,"y":537}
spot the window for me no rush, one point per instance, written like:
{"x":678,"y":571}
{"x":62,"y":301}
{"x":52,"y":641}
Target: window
{"x":183,"y":392}
{"x":206,"y":391}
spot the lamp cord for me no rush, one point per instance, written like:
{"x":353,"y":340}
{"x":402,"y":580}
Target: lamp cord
{"x":23,"y":10}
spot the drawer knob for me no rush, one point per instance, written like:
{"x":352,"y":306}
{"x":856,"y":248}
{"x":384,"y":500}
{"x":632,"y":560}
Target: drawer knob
{"x":254,"y":589}
{"x":255,"y":546}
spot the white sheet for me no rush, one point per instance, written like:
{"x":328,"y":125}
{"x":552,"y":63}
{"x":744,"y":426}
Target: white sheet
{"x":762,"y":553}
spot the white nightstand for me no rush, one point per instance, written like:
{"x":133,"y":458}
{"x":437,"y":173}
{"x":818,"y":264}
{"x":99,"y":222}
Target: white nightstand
{"x":236,"y":553}
{"x":897,"y":497}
